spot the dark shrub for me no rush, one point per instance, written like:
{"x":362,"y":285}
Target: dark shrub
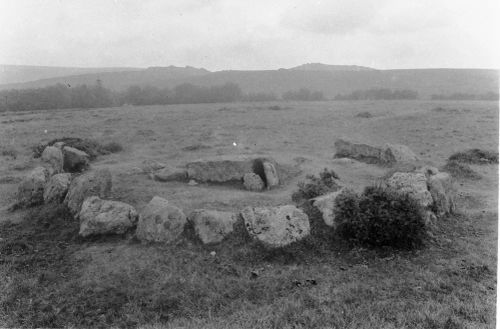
{"x":316,"y":186}
{"x":460,"y":170}
{"x":380,"y":217}
{"x":312,"y":188}
{"x":475,"y":156}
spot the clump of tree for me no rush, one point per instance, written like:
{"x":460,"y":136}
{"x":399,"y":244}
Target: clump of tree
{"x":58,"y":96}
{"x":303,"y":94}
{"x":489,"y":96}
{"x":62,"y":96}
{"x":259,"y":97}
{"x":378,"y":94}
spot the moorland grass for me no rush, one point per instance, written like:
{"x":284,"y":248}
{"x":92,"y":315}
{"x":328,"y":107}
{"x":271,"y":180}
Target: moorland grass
{"x":52,"y":278}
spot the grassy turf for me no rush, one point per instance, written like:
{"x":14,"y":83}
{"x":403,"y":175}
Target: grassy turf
{"x":52,"y":278}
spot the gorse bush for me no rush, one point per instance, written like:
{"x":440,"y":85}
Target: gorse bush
{"x":475,"y":156}
{"x":460,"y":170}
{"x":380,"y":217}
{"x":316,"y":186}
{"x":312,"y":188}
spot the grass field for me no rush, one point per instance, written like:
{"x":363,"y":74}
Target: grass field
{"x":49,"y":277}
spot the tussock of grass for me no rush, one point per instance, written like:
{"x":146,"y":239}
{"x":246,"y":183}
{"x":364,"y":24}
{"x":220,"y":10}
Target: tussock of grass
{"x":112,"y":147}
{"x":195,"y":147}
{"x":9,"y":152}
{"x":365,"y":114}
{"x":460,"y":170}
{"x":475,"y":156}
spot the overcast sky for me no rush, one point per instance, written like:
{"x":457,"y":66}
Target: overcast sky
{"x":253,"y":34}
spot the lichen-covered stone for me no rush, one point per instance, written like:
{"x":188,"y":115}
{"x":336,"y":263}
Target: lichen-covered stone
{"x":253,"y":182}
{"x":99,"y":216}
{"x":276,"y":226}
{"x":56,"y":188}
{"x":93,"y":183}
{"x":160,"y":221}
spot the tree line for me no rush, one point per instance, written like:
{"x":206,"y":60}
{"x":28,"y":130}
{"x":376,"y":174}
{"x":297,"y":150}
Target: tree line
{"x":62,"y":96}
{"x":490,"y":96}
{"x":378,"y":94}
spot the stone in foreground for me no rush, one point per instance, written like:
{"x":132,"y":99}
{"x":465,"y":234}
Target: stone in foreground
{"x":413,"y":183}
{"x":30,"y":190}
{"x":212,"y":226}
{"x":99,"y":216}
{"x":56,"y":188}
{"x":93,"y":183}
{"x":75,"y":160}
{"x":276,"y":226}
{"x":53,"y":156}
{"x":160,"y":222}
{"x":253,"y":182}
{"x":326,"y":205}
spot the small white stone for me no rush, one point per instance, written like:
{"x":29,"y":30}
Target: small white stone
{"x":213,"y":253}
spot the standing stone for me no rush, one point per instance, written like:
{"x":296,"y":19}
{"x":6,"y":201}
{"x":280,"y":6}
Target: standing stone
{"x":93,"y":183}
{"x":253,"y":182}
{"x":56,"y":188}
{"x":272,"y":178}
{"x":396,"y":153}
{"x":160,"y":222}
{"x":276,"y":226}
{"x":212,"y":226}
{"x":326,"y":205}
{"x":443,"y":193}
{"x":30,"y":190}
{"x":99,"y":216}
{"x":54,"y":158}
{"x":413,"y":183}
{"x":75,"y":160}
